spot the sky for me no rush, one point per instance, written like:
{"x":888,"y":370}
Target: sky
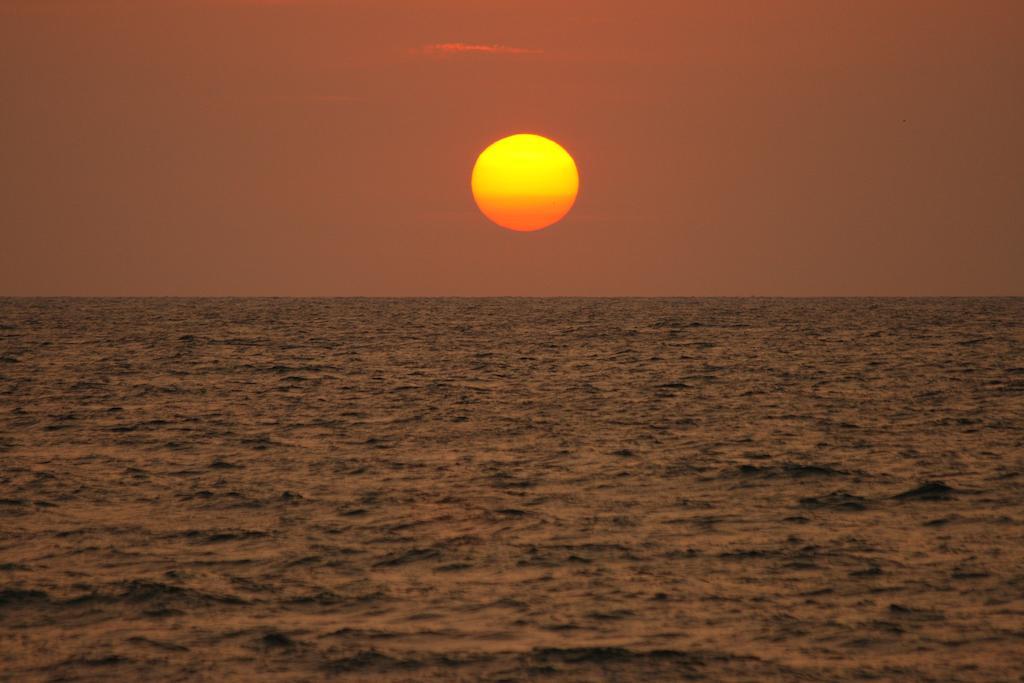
{"x":324,"y":147}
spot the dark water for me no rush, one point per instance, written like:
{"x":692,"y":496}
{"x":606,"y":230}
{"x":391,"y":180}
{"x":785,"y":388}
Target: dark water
{"x":512,"y":489}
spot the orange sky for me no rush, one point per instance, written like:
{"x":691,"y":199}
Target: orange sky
{"x":323,"y":147}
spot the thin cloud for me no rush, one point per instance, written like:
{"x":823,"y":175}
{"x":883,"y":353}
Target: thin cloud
{"x":335,"y":98}
{"x":441,"y":49}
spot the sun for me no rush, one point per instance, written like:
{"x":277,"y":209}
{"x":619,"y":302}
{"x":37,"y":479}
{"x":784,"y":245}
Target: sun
{"x":525,"y":182}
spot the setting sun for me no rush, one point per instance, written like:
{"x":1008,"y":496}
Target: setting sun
{"x":525,"y":182}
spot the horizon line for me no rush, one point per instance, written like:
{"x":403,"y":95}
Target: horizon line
{"x":512,"y":296}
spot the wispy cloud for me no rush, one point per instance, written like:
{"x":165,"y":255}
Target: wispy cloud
{"x":335,"y":98}
{"x":442,"y":49}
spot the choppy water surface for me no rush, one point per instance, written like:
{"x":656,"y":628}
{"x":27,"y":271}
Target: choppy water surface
{"x":507,"y":489}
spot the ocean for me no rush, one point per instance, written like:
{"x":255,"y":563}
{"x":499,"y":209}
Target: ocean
{"x":512,"y":489}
